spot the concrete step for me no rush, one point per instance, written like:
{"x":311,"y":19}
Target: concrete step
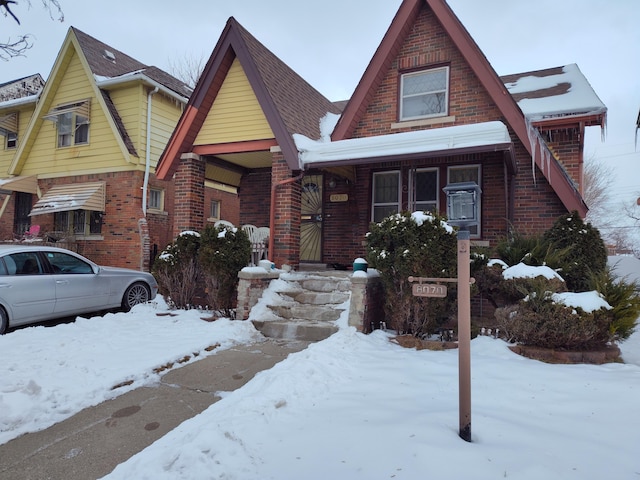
{"x":317,"y":298}
{"x":314,"y":313}
{"x":303,"y":330}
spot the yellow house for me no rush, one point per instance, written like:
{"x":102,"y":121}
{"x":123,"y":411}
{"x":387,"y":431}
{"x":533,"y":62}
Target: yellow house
{"x":80,"y":162}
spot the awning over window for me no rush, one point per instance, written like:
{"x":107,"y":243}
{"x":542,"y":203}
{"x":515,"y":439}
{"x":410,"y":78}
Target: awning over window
{"x":79,"y":196}
{"x":79,"y":108}
{"x":20,"y":184}
{"x":9,"y":123}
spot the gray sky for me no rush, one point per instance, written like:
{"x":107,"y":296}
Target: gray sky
{"x":330,"y":42}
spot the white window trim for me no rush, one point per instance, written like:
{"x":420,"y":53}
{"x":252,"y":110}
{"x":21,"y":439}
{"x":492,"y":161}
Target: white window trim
{"x":445,"y":113}
{"x":373,"y":192}
{"x":412,"y":186}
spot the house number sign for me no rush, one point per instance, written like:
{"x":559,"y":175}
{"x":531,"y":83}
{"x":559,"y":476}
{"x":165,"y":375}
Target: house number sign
{"x":429,"y":290}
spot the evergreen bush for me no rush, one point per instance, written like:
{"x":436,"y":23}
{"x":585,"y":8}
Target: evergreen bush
{"x":177,"y":271}
{"x":419,"y":245}
{"x":223,"y":252}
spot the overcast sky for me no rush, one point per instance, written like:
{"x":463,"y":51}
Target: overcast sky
{"x":330,"y":42}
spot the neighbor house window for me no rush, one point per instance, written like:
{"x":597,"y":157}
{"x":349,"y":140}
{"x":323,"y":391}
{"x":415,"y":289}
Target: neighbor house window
{"x":72,"y":123}
{"x":424,"y":190}
{"x":386,"y":195}
{"x":156,"y":199}
{"x":424,"y":94}
{"x":464,"y":197}
{"x":79,"y":222}
{"x":214,"y":212}
{"x":12,"y":140}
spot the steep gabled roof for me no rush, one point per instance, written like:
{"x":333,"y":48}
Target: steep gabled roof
{"x":388,"y":50}
{"x":289,"y":103}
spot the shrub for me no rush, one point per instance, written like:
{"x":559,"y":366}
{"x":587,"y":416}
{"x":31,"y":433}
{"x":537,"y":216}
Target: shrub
{"x":177,"y":271}
{"x":586,"y":253}
{"x":539,"y":321}
{"x":419,"y":245}
{"x":223,"y":253}
{"x":623,"y":297}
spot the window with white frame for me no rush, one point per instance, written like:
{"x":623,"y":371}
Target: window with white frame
{"x":214,"y":210}
{"x":72,"y":123}
{"x":424,"y":190}
{"x":12,"y":140}
{"x":155,"y":200}
{"x":9,"y":130}
{"x":424,"y":94}
{"x":464,"y":197}
{"x":79,"y":222}
{"x":386,"y":194}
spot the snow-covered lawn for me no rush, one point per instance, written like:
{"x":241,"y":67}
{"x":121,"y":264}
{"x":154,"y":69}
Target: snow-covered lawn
{"x":351,"y":407}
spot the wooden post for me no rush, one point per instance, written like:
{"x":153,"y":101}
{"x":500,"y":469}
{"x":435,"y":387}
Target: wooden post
{"x":464,"y":335}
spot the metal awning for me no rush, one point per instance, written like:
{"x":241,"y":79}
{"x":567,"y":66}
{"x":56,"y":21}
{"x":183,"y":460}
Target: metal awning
{"x":26,"y":184}
{"x":9,"y":123}
{"x":78,"y":196}
{"x":80,"y":108}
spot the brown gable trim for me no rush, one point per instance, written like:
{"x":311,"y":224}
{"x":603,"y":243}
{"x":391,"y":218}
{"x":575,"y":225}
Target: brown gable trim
{"x":231,"y":45}
{"x":119,"y":124}
{"x":235,"y":147}
{"x":374,"y":73}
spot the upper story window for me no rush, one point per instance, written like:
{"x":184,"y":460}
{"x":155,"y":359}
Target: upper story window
{"x":9,"y":130}
{"x":72,"y":122}
{"x":424,"y":94}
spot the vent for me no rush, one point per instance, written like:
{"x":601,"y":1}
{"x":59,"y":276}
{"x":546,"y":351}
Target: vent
{"x":109,"y":55}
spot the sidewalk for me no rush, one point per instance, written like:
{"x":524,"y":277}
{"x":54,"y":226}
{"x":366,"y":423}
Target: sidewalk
{"x":93,"y":442}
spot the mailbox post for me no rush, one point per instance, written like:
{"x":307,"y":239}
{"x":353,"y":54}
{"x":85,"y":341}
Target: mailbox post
{"x":464,"y":335}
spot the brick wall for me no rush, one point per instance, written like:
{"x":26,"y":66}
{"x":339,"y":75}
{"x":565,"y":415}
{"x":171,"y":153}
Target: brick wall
{"x":189,"y":194}
{"x":284,"y":244}
{"x":255,"y":193}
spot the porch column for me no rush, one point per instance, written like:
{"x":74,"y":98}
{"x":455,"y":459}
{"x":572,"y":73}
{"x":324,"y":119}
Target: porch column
{"x":189,"y":194}
{"x":284,"y":241}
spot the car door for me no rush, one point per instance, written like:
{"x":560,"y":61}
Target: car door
{"x":26,"y":288}
{"x":78,"y":289}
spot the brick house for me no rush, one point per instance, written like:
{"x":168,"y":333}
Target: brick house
{"x":79,"y":153}
{"x":430,"y":126}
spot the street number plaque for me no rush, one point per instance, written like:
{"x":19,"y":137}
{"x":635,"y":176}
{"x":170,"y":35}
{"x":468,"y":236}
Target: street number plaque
{"x":429,"y":290}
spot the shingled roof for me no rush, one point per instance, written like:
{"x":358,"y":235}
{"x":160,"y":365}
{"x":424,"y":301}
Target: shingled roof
{"x":289,"y":103}
{"x":106,"y":61}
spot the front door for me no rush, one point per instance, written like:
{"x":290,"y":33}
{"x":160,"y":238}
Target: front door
{"x":311,"y":219}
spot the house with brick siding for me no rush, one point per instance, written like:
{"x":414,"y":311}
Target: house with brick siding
{"x":430,"y":126}
{"x":79,"y":153}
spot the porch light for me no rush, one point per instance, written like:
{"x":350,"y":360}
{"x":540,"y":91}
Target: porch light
{"x":462,"y":203}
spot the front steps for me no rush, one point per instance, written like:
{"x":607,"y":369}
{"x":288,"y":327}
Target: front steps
{"x":306,"y":306}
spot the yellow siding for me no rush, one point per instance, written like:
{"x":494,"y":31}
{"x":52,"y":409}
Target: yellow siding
{"x":235,"y":115}
{"x":129,"y":104}
{"x":165,"y":113}
{"x":6,"y":155}
{"x":101,"y":152}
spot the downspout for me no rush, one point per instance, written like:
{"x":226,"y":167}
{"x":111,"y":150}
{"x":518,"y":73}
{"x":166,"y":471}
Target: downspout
{"x":147,"y":166}
{"x":272,"y":212}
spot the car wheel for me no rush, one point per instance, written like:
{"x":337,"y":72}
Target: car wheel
{"x":135,"y":294}
{"x":4,"y":321}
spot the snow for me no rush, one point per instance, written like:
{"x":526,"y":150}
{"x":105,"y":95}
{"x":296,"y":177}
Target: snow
{"x":353,"y":406}
{"x":313,"y":152}
{"x":522,"y":270}
{"x":580,"y":99}
{"x":588,"y":301}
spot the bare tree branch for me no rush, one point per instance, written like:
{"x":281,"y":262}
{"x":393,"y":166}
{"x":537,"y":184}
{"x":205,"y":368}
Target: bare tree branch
{"x":187,"y":69}
{"x":17,"y":48}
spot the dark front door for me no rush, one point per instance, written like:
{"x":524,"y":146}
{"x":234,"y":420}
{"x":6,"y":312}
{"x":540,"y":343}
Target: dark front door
{"x":311,"y":219}
{"x":21,"y":218}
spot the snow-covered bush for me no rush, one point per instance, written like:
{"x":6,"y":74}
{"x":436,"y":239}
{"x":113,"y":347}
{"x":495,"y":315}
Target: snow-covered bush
{"x":542,"y":319}
{"x":177,"y":271}
{"x":419,"y":245}
{"x":223,"y":253}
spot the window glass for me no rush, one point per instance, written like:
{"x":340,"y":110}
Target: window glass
{"x":386,"y":194}
{"x":67,"y":264}
{"x":12,"y":140}
{"x":426,"y":190}
{"x":64,"y":129}
{"x":24,"y":263}
{"x":425,"y":94}
{"x":78,"y":222}
{"x":155,"y":199}
{"x":215,"y":209}
{"x":82,"y":130}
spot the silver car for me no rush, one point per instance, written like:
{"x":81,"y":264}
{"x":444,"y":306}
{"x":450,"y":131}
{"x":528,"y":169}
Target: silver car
{"x":39,"y":283}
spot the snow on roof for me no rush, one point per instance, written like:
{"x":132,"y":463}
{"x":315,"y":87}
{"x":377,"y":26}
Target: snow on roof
{"x":20,"y":101}
{"x":554,"y":92}
{"x":436,"y":139}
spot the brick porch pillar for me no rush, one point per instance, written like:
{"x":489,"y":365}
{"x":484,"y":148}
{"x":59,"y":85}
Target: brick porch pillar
{"x":189,"y":194}
{"x":284,"y":244}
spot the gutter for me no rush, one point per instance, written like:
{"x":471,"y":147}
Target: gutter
{"x":147,"y":165}
{"x":138,"y":76}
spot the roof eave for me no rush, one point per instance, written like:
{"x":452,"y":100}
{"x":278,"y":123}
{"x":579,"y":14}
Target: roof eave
{"x":140,"y":77}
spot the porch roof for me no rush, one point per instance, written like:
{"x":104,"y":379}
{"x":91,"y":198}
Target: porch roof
{"x":486,"y":136}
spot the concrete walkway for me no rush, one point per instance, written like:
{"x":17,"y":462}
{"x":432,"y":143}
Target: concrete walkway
{"x":93,"y":442}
